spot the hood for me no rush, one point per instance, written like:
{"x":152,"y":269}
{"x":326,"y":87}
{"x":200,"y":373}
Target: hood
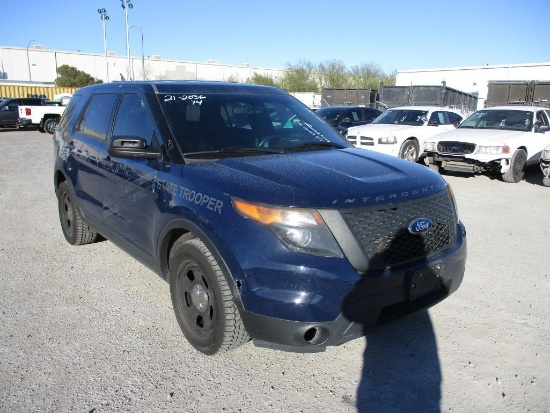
{"x":318,"y":179}
{"x":381,"y":129}
{"x":479,"y":136}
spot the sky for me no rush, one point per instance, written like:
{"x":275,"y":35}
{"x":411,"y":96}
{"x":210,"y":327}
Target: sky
{"x":394,"y":35}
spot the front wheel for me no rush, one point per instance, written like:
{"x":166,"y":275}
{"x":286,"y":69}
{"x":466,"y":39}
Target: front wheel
{"x":49,"y":125}
{"x":409,"y":150}
{"x":202,"y":300}
{"x":514,"y":174}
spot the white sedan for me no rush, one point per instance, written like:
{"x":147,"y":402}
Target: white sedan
{"x":501,"y":139}
{"x":402,"y":131}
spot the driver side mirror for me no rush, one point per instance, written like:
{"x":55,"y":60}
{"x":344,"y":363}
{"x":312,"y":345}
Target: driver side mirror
{"x":131,"y":147}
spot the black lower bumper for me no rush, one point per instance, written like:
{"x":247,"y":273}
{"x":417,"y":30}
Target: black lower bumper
{"x":363,"y":310}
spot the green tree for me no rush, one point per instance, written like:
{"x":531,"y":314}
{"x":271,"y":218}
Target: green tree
{"x":266,"y":80}
{"x":332,"y":74}
{"x":367,"y":76}
{"x":69,"y":76}
{"x":300,"y":77}
{"x":389,"y":79}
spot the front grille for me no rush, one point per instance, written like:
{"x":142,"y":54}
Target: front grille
{"x":359,"y":140}
{"x":455,"y":147}
{"x":384,"y":236}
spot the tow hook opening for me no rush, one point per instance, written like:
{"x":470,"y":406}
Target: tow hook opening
{"x":316,"y":335}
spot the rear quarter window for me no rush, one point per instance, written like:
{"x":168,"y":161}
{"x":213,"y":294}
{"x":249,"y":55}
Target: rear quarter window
{"x":97,"y":116}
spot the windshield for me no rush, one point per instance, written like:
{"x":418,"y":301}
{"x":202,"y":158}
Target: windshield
{"x":508,"y":119}
{"x":228,"y":123}
{"x":329,"y":114}
{"x":402,"y":117}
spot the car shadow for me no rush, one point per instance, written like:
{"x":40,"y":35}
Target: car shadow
{"x":25,"y":129}
{"x":401,"y":370}
{"x":533,"y":175}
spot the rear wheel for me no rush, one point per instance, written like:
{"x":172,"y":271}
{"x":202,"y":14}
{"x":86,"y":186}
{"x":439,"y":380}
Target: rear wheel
{"x":409,"y":150}
{"x":49,"y":125}
{"x":202,"y":300}
{"x":76,"y":231}
{"x":514,"y":174}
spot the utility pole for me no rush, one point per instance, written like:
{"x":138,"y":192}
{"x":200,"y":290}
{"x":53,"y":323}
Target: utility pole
{"x":104,"y":18}
{"x":126,"y":4}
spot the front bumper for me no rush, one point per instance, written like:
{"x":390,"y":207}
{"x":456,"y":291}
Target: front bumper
{"x":460,"y":163}
{"x":372,"y":301}
{"x":388,"y":149}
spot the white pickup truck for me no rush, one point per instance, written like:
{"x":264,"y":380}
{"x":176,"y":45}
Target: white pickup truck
{"x":501,"y":139}
{"x":45,"y":118}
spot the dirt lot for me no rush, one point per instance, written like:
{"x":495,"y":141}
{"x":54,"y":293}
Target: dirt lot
{"x":88,"y":329}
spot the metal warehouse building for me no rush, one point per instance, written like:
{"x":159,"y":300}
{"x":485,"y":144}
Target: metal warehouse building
{"x":38,"y":65}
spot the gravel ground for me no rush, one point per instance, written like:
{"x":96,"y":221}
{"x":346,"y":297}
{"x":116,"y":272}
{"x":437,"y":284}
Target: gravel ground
{"x":88,"y":329}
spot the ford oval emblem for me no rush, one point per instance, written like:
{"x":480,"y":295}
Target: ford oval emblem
{"x":420,"y":225}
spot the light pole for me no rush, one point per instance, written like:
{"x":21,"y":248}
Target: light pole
{"x":126,"y":4}
{"x":104,"y":18}
{"x":142,"y":54}
{"x":28,"y":60}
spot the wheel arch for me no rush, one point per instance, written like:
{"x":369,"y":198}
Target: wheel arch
{"x":524,"y":148}
{"x":177,"y":228}
{"x":58,"y":178}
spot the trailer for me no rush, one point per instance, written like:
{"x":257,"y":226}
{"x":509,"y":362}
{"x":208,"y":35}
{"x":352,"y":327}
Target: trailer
{"x":387,"y":97}
{"x":518,"y":92}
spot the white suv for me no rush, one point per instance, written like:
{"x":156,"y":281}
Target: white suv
{"x":401,"y":131}
{"x":501,"y":139}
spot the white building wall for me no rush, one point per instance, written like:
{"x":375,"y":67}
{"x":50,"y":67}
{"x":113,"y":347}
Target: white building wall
{"x":474,"y":79}
{"x":44,"y":64}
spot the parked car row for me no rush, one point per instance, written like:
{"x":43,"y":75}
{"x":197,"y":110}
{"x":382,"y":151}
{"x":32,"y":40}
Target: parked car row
{"x":9,"y":110}
{"x":502,"y":140}
{"x":39,"y":112}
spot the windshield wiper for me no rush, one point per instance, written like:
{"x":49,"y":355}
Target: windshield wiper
{"x":220,"y":153}
{"x":319,"y":145}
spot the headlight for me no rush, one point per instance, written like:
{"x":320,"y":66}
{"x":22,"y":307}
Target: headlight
{"x":545,"y":155}
{"x":301,"y":230}
{"x":387,"y":140}
{"x":430,"y":146}
{"x":492,"y":150}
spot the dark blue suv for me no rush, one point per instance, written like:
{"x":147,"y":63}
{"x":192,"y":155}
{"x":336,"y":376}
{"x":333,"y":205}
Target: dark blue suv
{"x":266,"y":223}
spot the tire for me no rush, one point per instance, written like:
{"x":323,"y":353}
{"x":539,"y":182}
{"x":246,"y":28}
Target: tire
{"x":202,"y":300}
{"x":75,"y":230}
{"x":49,"y":125}
{"x":517,"y":163}
{"x":409,"y":150}
{"x":40,"y":129}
